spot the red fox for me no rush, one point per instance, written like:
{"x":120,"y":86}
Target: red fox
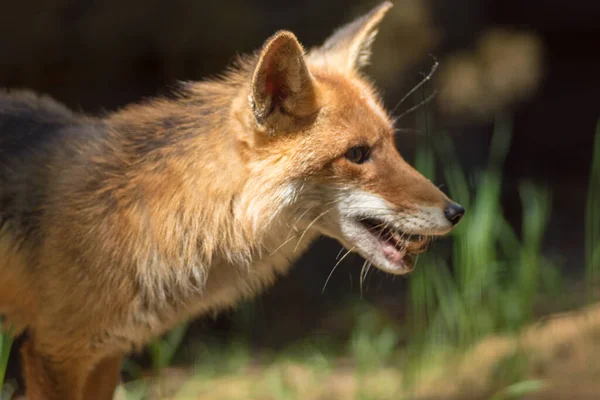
{"x":114,"y":229}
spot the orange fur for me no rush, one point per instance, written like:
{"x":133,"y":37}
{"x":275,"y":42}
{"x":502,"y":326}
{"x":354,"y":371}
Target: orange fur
{"x":168,"y":209}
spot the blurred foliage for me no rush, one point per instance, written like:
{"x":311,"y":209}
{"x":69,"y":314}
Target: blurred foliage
{"x":494,"y":278}
{"x":495,"y":275}
{"x":490,"y":285}
{"x":5,"y":346}
{"x":592,"y":221}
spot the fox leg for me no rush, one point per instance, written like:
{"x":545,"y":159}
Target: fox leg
{"x":103,"y":380}
{"x":52,"y":377}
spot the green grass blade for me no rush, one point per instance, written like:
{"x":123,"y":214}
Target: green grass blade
{"x":163,"y":350}
{"x":500,"y":141}
{"x":425,"y":162}
{"x":520,"y":389}
{"x":6,"y":341}
{"x":536,"y":212}
{"x":458,"y":186}
{"x":592,"y":219}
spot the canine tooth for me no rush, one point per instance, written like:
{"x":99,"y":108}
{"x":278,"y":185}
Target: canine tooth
{"x":396,"y":236}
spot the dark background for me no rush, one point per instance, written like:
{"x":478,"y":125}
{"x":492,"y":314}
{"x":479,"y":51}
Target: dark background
{"x":99,"y":55}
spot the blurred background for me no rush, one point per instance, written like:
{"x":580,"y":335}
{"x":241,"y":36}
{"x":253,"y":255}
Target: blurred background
{"x":510,"y":134}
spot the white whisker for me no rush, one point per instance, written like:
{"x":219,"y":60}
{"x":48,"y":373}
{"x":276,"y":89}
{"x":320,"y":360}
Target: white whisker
{"x":334,"y":267}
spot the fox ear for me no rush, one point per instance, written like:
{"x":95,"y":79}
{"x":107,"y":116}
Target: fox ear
{"x":350,"y":46}
{"x":282,"y":83}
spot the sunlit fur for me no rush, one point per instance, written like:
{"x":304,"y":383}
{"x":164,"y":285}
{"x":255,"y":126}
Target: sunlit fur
{"x":114,"y":229}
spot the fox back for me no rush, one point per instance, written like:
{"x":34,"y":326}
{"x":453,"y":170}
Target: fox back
{"x":120,"y":227}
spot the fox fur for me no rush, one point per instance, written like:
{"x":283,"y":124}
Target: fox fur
{"x":114,"y":229}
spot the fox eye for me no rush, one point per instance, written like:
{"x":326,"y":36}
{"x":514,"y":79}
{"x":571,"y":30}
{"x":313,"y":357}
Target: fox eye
{"x":358,"y":154}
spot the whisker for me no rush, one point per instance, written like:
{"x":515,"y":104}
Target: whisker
{"x":416,"y":107}
{"x":408,"y":130}
{"x":284,"y":243}
{"x":303,"y":214}
{"x":416,"y":261}
{"x":418,"y":85}
{"x":309,"y":226}
{"x":361,"y":278}
{"x":334,"y":267}
{"x":288,"y":239}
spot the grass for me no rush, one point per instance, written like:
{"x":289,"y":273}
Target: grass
{"x":494,"y":276}
{"x":499,"y":367}
{"x":592,"y":221}
{"x":519,"y":389}
{"x":489,"y":284}
{"x":5,"y":346}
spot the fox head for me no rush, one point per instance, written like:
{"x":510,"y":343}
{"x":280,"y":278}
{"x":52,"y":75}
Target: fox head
{"x":317,"y":128}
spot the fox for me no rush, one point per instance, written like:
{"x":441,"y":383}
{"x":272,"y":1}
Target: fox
{"x":114,"y":228}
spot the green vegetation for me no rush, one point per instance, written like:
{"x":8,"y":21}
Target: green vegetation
{"x":592,"y":221}
{"x":5,"y":345}
{"x":494,"y":277}
{"x":488,"y":283}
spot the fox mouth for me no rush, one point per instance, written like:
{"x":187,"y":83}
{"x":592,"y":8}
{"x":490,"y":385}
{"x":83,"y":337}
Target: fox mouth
{"x":399,"y":248}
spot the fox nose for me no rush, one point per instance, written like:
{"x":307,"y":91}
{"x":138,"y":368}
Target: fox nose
{"x":454,"y":212}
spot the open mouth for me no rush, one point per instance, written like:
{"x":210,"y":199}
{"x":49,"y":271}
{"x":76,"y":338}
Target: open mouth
{"x":398,"y":247}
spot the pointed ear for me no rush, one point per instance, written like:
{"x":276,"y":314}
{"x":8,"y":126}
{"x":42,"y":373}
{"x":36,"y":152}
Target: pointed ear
{"x":350,"y":46}
{"x":282,"y":84}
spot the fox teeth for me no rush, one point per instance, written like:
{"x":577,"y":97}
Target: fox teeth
{"x":398,"y":238}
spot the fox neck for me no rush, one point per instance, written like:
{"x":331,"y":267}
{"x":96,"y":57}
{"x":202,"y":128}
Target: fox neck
{"x":212,"y":212}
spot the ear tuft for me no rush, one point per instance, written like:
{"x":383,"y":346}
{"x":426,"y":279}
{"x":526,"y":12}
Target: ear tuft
{"x":350,"y":46}
{"x":281,"y":80}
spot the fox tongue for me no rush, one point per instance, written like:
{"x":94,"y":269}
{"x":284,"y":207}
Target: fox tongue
{"x":392,"y":253}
